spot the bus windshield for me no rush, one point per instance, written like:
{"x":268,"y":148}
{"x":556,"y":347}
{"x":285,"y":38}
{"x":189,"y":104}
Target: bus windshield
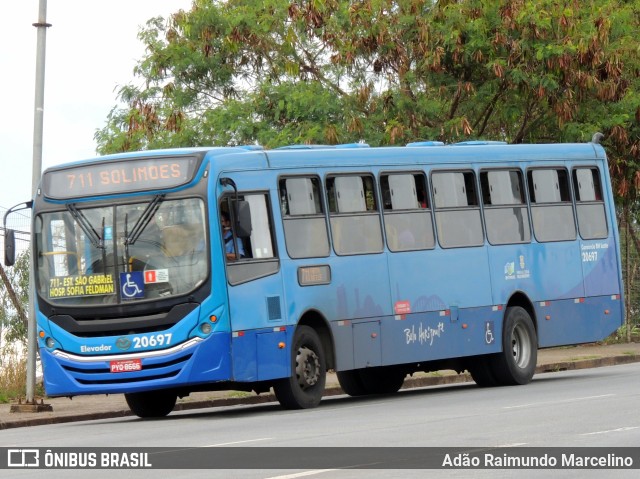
{"x":115,"y":254}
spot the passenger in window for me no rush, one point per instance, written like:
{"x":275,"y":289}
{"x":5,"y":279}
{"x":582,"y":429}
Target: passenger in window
{"x":227,"y":236}
{"x":422,"y":201}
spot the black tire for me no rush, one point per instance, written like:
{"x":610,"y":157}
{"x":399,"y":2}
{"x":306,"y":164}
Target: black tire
{"x":481,"y":370}
{"x":305,"y":387}
{"x":382,"y":380}
{"x":351,"y":382}
{"x":517,"y":362}
{"x":151,"y":403}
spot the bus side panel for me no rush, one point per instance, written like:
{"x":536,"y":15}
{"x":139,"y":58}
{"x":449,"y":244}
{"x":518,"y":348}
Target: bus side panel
{"x":263,"y":354}
{"x":358,"y":289}
{"x":600,"y":265}
{"x":418,"y":337}
{"x":273,"y":354}
{"x":360,"y":286}
{"x":580,"y":320}
{"x":342,"y":332}
{"x":257,"y":304}
{"x":541,"y":271}
{"x":436,"y":280}
{"x":438,"y":335}
{"x":367,"y":349}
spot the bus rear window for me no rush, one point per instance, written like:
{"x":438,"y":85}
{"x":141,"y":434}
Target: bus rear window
{"x":592,"y":219}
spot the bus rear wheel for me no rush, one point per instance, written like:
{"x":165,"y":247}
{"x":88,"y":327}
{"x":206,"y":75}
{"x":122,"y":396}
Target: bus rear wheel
{"x":150,"y":404}
{"x":351,"y":382}
{"x":305,"y":387}
{"x":481,"y":370}
{"x":382,"y":380}
{"x":517,"y":362}
{"x":379,"y":380}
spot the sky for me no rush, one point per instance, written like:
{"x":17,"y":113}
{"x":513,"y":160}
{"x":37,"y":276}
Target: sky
{"x":91,"y":49}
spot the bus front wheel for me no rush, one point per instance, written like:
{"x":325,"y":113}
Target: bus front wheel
{"x":517,"y":362}
{"x":150,"y":404}
{"x":305,"y":387}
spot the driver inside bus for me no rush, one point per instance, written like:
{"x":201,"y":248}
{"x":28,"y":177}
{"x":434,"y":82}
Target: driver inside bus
{"x":227,"y":236}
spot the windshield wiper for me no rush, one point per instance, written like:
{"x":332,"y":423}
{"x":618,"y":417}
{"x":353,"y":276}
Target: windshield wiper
{"x":143,"y":221}
{"x":95,"y":239}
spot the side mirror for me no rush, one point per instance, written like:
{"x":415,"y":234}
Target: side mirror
{"x":9,"y":247}
{"x":243,"y":219}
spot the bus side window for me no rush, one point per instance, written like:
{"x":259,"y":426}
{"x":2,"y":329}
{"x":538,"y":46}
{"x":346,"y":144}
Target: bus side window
{"x":407,"y":221}
{"x":592,"y":219}
{"x":505,"y":211}
{"x":551,"y":206}
{"x":260,"y":256}
{"x":353,"y":214}
{"x":458,"y":217}
{"x":305,"y":226}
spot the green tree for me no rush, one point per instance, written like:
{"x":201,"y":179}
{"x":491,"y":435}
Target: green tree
{"x":385,"y":71}
{"x":14,"y":299}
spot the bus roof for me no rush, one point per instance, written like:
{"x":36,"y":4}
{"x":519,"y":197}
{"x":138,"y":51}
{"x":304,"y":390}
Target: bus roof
{"x":410,"y":155}
{"x":417,"y":153}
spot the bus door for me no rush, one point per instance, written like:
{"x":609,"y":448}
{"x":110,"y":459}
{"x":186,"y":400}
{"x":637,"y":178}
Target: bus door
{"x":256,"y":305}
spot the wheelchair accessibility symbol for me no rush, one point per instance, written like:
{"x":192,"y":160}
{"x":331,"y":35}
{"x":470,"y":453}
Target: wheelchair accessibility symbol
{"x":132,"y":285}
{"x":488,"y":332}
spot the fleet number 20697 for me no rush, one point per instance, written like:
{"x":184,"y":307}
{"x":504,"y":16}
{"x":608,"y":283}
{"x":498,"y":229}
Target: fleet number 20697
{"x":151,"y":341}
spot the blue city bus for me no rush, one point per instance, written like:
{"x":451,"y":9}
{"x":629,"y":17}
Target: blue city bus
{"x":161,"y":273}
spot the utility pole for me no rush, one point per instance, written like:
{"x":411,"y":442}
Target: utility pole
{"x":38,"y":120}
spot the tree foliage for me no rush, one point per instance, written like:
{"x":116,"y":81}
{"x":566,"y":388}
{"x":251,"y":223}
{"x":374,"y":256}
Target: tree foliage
{"x":13,"y":321}
{"x":389,"y":72}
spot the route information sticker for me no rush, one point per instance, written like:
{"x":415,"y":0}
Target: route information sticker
{"x":82,"y":285}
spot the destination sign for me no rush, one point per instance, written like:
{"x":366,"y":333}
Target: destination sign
{"x":313,"y":275}
{"x":122,"y":176}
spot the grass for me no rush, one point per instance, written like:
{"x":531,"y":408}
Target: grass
{"x":582,"y":358}
{"x":13,"y":374}
{"x":239,"y":394}
{"x":620,"y":336}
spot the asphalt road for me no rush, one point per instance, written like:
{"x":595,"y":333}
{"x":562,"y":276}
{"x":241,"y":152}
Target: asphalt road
{"x":585,"y":408}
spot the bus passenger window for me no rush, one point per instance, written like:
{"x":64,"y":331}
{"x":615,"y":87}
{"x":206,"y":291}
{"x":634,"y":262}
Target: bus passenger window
{"x":407,"y":221}
{"x":305,"y":227}
{"x":457,"y":210}
{"x":260,"y":257}
{"x":505,"y":211}
{"x":551,"y":207}
{"x":353,"y":214}
{"x":592,"y":219}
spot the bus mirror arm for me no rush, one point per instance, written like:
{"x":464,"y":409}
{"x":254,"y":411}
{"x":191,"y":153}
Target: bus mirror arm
{"x":10,"y":235}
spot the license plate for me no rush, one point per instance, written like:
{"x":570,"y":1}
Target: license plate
{"x":126,"y":366}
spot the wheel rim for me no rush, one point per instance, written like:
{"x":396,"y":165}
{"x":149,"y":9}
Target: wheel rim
{"x":521,"y":346}
{"x":307,"y":367}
